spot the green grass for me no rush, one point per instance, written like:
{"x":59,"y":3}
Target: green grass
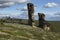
{"x":14,"y":31}
{"x":55,"y":25}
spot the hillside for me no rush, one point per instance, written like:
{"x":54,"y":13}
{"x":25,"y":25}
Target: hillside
{"x":10,"y":31}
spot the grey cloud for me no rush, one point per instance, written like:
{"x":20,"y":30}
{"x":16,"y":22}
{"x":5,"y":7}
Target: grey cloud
{"x":58,"y":13}
{"x":1,"y":2}
{"x":4,"y":6}
{"x":8,"y":3}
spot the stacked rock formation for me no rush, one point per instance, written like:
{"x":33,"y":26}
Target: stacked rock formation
{"x":30,"y":14}
{"x":42,"y":22}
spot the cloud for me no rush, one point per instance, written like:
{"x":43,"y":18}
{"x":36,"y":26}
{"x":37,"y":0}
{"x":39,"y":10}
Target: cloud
{"x":25,"y":8}
{"x":8,"y":3}
{"x":50,"y":5}
{"x":53,"y":17}
{"x":24,"y":15}
{"x":58,"y":13}
{"x":4,"y":15}
{"x":48,"y":17}
{"x":54,"y":14}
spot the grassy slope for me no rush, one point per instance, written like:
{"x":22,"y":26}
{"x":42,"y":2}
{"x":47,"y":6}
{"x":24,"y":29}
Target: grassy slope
{"x":55,"y":25}
{"x":24,"y":32}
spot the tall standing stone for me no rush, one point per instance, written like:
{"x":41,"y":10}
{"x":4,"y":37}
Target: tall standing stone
{"x":30,"y":14}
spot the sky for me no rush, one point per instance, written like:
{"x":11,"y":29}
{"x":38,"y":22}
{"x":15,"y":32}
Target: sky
{"x":18,"y":8}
